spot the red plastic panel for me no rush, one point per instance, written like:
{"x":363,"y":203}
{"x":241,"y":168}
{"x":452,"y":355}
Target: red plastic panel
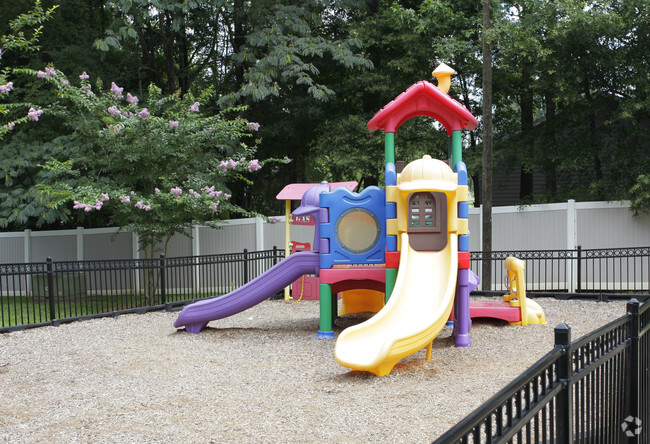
{"x":463,"y":259}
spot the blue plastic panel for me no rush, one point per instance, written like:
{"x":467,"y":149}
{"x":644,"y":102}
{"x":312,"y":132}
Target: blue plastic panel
{"x":390,"y":174}
{"x":367,"y":207}
{"x":391,"y":242}
{"x":463,"y":242}
{"x":461,"y":169}
{"x":463,"y":210}
{"x":391,"y":210}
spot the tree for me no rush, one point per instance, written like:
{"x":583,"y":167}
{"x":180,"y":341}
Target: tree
{"x":163,"y":34}
{"x":565,"y":85}
{"x":401,"y":57}
{"x":450,"y":32}
{"x":156,"y":167}
{"x":275,"y":57}
{"x":570,"y":90}
{"x":23,"y":35}
{"x":285,"y":45}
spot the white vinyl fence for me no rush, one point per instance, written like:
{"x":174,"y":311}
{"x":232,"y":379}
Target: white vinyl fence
{"x":560,"y":226}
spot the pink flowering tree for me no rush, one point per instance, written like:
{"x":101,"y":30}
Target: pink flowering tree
{"x":154,"y":165}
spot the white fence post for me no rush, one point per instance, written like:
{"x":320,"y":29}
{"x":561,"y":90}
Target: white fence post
{"x":135,"y":246}
{"x":27,"y":246}
{"x":135,"y":254}
{"x":259,"y":233}
{"x":80,"y":243}
{"x":571,"y":225}
{"x":196,"y":251}
{"x":571,"y":243}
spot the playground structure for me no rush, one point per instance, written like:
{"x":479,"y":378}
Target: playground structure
{"x":306,"y":285}
{"x":401,"y":251}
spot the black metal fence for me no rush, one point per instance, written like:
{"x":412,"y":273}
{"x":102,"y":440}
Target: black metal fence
{"x":52,"y":292}
{"x":596,"y":389}
{"x":581,"y":271}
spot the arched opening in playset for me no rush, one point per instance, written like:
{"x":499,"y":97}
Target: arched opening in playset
{"x":427,"y":220}
{"x":401,"y":251}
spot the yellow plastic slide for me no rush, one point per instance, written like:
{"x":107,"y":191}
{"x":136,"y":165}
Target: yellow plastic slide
{"x":417,"y":310}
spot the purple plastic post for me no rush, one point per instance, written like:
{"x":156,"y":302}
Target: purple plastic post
{"x":461,"y":309}
{"x":310,"y":206}
{"x":473,"y":281}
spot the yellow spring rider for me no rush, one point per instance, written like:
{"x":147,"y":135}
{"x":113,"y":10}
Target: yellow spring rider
{"x":531,"y":312}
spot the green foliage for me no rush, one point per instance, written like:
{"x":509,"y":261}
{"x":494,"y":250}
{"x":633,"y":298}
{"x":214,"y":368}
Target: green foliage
{"x":641,"y":195}
{"x":25,"y":30}
{"x":346,"y":150}
{"x":155,"y":166}
{"x":22,"y":205}
{"x":343,"y":148}
{"x":571,"y":92}
{"x":23,"y":35}
{"x":284,"y":46}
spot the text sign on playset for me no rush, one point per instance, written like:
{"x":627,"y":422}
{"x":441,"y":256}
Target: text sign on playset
{"x":303,"y":220}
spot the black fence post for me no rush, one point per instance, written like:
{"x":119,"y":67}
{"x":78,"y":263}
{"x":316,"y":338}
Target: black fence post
{"x":163,"y":289}
{"x":565,"y":396}
{"x":245,"y":265}
{"x":633,"y":381}
{"x":50,"y":288}
{"x":275,"y":255}
{"x":579,"y":269}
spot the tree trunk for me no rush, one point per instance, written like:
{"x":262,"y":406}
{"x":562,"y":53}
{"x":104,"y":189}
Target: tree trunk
{"x":550,"y":155}
{"x":527,"y":119}
{"x":183,"y":62}
{"x":167,"y":33}
{"x":239,"y":39}
{"x":486,"y":185}
{"x":146,"y":37}
{"x":592,"y":138}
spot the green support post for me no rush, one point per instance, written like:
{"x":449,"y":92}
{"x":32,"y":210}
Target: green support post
{"x":389,"y":157}
{"x":326,"y":312}
{"x":391,"y":277}
{"x":389,"y":148}
{"x":456,"y":148}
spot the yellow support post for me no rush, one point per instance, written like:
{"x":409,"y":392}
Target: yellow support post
{"x":287,"y":238}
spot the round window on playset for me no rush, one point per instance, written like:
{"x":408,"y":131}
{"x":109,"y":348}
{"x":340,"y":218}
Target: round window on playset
{"x":357,"y":230}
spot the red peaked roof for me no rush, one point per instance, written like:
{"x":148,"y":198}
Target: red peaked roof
{"x":423,"y":99}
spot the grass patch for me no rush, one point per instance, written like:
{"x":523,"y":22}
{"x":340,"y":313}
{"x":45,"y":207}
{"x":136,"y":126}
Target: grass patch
{"x":23,"y":310}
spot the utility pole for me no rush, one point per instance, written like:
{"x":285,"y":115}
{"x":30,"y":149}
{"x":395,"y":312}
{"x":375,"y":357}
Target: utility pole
{"x":486,"y":183}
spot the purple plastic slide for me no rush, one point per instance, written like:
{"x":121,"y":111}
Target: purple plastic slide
{"x":197,"y":315}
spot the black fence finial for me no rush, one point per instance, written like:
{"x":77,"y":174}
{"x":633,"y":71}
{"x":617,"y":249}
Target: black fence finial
{"x":562,"y":334}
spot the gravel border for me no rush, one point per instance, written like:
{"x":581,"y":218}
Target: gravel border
{"x":259,"y":376}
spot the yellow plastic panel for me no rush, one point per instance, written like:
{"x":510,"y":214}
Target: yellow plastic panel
{"x":463,"y":226}
{"x":463,"y":193}
{"x":360,"y":301}
{"x":452,"y":212}
{"x":391,"y":193}
{"x":391,"y":227}
{"x":416,"y":312}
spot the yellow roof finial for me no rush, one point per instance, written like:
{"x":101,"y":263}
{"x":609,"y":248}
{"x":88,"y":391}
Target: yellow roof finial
{"x":443,"y":73}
